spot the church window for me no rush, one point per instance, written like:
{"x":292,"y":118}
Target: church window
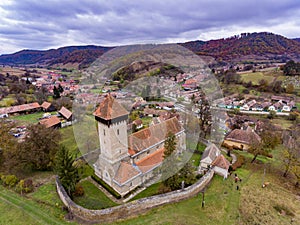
{"x":118,"y":131}
{"x":103,"y":132}
{"x":148,"y":152}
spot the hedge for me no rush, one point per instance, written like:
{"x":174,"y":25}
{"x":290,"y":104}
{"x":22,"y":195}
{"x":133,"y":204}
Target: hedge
{"x":106,"y":186}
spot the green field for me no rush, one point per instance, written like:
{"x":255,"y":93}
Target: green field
{"x":28,"y":118}
{"x":16,"y":209}
{"x":256,"y":77}
{"x":221,"y":207}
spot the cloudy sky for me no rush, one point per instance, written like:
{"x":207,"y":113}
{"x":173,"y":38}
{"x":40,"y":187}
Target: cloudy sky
{"x":44,"y":24}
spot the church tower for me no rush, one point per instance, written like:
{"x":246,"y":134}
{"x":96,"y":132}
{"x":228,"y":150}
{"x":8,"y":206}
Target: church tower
{"x":112,"y":130}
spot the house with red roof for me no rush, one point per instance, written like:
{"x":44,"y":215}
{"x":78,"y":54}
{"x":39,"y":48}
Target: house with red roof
{"x":128,"y":161}
{"x":221,"y":165}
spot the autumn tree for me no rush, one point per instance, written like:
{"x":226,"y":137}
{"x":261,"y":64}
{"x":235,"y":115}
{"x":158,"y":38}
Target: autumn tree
{"x":8,"y":145}
{"x":291,"y":154}
{"x":41,"y":95}
{"x":204,"y":118}
{"x":39,"y":147}
{"x":64,"y":167}
{"x":290,"y":88}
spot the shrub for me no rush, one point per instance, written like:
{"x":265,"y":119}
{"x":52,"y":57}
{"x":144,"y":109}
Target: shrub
{"x":79,"y":191}
{"x":239,"y":162}
{"x":106,"y":186}
{"x":25,"y":186}
{"x":198,"y":176}
{"x":10,"y":180}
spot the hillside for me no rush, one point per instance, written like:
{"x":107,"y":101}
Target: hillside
{"x":248,"y":46}
{"x":244,"y":47}
{"x":83,"y":55}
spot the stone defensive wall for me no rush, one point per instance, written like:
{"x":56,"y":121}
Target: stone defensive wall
{"x":133,"y":208}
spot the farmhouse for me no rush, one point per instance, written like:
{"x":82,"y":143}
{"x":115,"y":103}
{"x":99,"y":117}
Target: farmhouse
{"x":241,"y":138}
{"x":52,"y":121}
{"x":25,"y":108}
{"x":126,"y":162}
{"x":65,"y":113}
{"x":47,"y":107}
{"x":210,"y":153}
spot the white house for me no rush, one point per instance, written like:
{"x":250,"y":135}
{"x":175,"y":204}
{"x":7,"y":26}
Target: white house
{"x":272,"y":108}
{"x":210,"y":153}
{"x":286,"y":108}
{"x":221,"y":165}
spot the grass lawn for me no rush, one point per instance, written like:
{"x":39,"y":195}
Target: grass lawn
{"x":263,"y":205}
{"x":68,"y":140}
{"x":93,"y":198}
{"x":282,"y":122}
{"x":29,"y":118}
{"x":298,"y":105}
{"x":150,"y":191}
{"x":256,"y":77}
{"x":96,"y":91}
{"x":221,"y":207}
{"x":16,"y":209}
{"x":195,"y":159}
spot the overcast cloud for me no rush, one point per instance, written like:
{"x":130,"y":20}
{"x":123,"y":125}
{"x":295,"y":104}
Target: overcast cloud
{"x":37,"y":24}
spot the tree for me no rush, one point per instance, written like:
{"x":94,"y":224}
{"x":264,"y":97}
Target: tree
{"x":56,"y":93}
{"x":39,"y":147}
{"x":271,"y":115}
{"x":291,"y":155}
{"x":41,"y":95}
{"x":158,"y":93}
{"x":204,"y":118}
{"x":8,"y":145}
{"x":66,"y":171}
{"x":256,"y":149}
{"x":290,"y":88}
{"x":277,"y":86}
{"x":289,"y":159}
{"x":60,"y":89}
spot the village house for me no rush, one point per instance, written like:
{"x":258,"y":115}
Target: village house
{"x":126,"y":162}
{"x":52,"y":121}
{"x":221,"y":166}
{"x":138,"y":123}
{"x":48,"y":107}
{"x":65,"y":113}
{"x":21,"y":109}
{"x":210,"y":153}
{"x":241,"y":138}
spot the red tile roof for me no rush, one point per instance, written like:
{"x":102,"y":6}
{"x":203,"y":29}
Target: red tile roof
{"x":150,"y":161}
{"x":221,"y":162}
{"x":46,"y":105}
{"x":19,"y":108}
{"x":50,"y":122}
{"x":65,"y":112}
{"x":247,"y":136}
{"x":125,"y":172}
{"x":109,"y":109}
{"x":152,"y":135}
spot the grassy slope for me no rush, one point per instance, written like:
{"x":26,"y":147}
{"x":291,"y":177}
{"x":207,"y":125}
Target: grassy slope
{"x":93,"y":197}
{"x":16,"y":209}
{"x":255,"y":77}
{"x":221,"y":207}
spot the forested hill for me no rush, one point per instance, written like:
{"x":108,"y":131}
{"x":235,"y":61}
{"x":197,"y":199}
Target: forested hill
{"x":83,"y":55}
{"x":244,"y":47}
{"x":248,"y":45}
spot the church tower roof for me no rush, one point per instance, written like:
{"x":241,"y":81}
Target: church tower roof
{"x":110,"y":109}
